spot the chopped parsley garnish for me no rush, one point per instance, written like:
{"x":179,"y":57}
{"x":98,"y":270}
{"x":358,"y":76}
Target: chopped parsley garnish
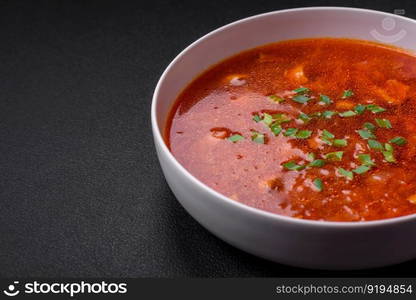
{"x":376,"y":145}
{"x":327,"y":137}
{"x":366,"y":160}
{"x":389,"y":156}
{"x":301,"y":90}
{"x":366,"y":134}
{"x":267,"y":119}
{"x":327,"y":134}
{"x":361,"y":169}
{"x":273,"y":122}
{"x":280,"y":118}
{"x":359,"y":109}
{"x":328,"y":114}
{"x":347,"y":94}
{"x":388,"y":153}
{"x":316,"y":114}
{"x":327,"y":141}
{"x":276,"y":99}
{"x":369,"y":126}
{"x":301,"y":99}
{"x":303,"y":134}
{"x":256,"y":118}
{"x":257,"y":137}
{"x":340,"y":142}
{"x":310,"y":156}
{"x":398,"y":140}
{"x":334,"y":156}
{"x":375,"y":109}
{"x":304,"y":117}
{"x":291,"y":165}
{"x":383,"y":123}
{"x":388,"y":147}
{"x":325,"y":99}
{"x":317,"y":163}
{"x":318,"y":184}
{"x":290,"y":132}
{"x":276,"y":128}
{"x":302,"y":95}
{"x":235,"y":138}
{"x":345,"y":173}
{"x":348,"y":113}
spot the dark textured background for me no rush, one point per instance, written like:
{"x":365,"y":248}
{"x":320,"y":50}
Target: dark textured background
{"x":81,"y":191}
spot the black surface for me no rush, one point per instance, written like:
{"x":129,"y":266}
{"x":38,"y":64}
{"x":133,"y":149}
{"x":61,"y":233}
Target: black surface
{"x":81,"y":190}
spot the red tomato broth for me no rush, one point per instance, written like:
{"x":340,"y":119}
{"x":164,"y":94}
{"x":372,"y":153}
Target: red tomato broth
{"x":222,"y":101}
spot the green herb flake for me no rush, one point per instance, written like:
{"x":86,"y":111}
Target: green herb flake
{"x":373,"y":144}
{"x":327,"y":137}
{"x":340,"y":143}
{"x":383,"y":123}
{"x":328,"y":114}
{"x":334,"y":156}
{"x":318,"y":184}
{"x":280,"y":118}
{"x":276,"y":99}
{"x":235,"y":138}
{"x":292,"y":166}
{"x":359,"y":109}
{"x":257,"y":137}
{"x":317,"y":163}
{"x":348,"y":113}
{"x":325,"y":99}
{"x":347,"y":94}
{"x":361,"y":169}
{"x":388,"y":154}
{"x":304,"y":117}
{"x":256,"y":118}
{"x":365,"y":134}
{"x":267,"y":119}
{"x":301,"y":99}
{"x":398,"y":140}
{"x":348,"y":174}
{"x":375,"y":109}
{"x":327,"y":134}
{"x":369,"y":126}
{"x":316,"y":114}
{"x":290,"y":132}
{"x":366,"y":160}
{"x":303,"y":134}
{"x":310,"y":156}
{"x":388,"y":147}
{"x":276,"y":128}
{"x":301,"y":90}
{"x":327,"y":141}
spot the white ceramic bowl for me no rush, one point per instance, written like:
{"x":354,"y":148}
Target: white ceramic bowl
{"x":304,"y":243}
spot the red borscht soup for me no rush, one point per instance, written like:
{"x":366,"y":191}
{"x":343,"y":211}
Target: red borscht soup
{"x":321,"y":129}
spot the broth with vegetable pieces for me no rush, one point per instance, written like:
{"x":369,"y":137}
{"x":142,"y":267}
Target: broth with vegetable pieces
{"x":321,"y":129}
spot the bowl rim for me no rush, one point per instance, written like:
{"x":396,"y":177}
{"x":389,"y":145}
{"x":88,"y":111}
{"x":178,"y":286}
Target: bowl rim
{"x":158,"y":138}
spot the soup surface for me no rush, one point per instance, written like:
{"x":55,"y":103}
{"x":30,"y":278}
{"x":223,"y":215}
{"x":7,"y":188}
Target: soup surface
{"x":321,"y":129}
